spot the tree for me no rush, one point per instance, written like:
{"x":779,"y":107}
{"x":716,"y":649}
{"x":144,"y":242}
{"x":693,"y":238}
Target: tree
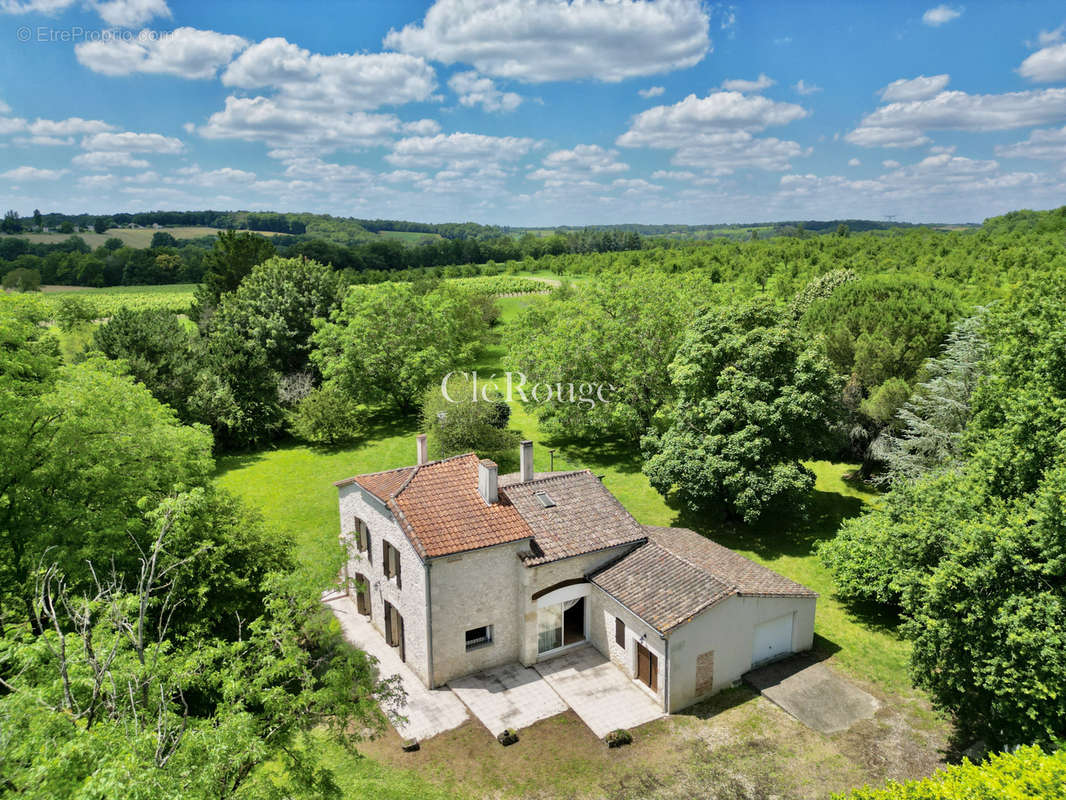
{"x":161,"y":239}
{"x":327,"y":416}
{"x":23,"y":280}
{"x":753,"y":399}
{"x":11,"y":222}
{"x":619,"y":333}
{"x":38,"y":221}
{"x":233,"y":256}
{"x":101,"y":225}
{"x":474,"y":419}
{"x":80,"y":446}
{"x":158,"y":351}
{"x":115,"y":696}
{"x":275,"y":308}
{"x":73,"y":311}
{"x":386,"y":343}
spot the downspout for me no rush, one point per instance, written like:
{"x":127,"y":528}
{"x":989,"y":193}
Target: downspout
{"x":429,"y":621}
{"x":666,"y":678}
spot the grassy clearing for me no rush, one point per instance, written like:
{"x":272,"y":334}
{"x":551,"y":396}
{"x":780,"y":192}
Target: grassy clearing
{"x":131,"y":237}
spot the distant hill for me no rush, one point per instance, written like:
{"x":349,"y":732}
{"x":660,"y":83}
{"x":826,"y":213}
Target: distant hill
{"x":1026,"y":220}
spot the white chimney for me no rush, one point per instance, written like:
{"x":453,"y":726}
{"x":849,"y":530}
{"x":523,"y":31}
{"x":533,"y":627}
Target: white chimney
{"x":423,"y":452}
{"x":526,"y":460}
{"x":487,"y":481}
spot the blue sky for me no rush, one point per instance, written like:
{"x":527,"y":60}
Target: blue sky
{"x":535,"y":112}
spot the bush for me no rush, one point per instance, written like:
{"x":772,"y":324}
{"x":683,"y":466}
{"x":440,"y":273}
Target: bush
{"x":618,"y":738}
{"x":1028,"y":772}
{"x":327,"y":416}
{"x":73,"y":311}
{"x":507,"y":737}
{"x":23,"y":280}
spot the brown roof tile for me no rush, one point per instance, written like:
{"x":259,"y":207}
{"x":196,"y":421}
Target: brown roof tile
{"x":585,"y":516}
{"x":679,"y":573}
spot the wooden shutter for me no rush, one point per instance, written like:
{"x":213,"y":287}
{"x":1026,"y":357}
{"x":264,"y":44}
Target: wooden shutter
{"x":619,"y":632}
{"x":653,"y":672}
{"x":388,"y":624}
{"x":396,"y":570}
{"x":643,"y":664}
{"x":400,"y":641}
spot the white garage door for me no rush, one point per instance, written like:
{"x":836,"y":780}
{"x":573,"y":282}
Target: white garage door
{"x":772,"y":639}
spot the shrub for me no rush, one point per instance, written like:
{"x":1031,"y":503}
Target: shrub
{"x":618,"y":738}
{"x":327,"y":416}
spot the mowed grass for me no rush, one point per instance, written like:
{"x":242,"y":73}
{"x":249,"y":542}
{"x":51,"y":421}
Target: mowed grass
{"x":293,"y":487}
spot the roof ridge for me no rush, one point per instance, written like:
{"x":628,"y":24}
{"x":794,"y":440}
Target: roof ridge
{"x":568,"y":474}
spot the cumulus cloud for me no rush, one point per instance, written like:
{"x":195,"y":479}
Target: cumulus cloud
{"x":457,"y":150}
{"x":130,"y":13}
{"x":854,"y":162}
{"x":584,"y":162}
{"x":695,"y":118}
{"x":73,"y":126}
{"x":27,"y":173}
{"x":553,"y":40}
{"x":475,"y":90}
{"x":104,"y":159}
{"x":1044,"y":38}
{"x":804,"y":88}
{"x":725,"y":153}
{"x":890,"y":164}
{"x":1046,"y":65}
{"x":130,"y":142}
{"x":919,"y":88}
{"x":185,"y":52}
{"x":903,"y":124}
{"x":265,"y":120}
{"x":937,"y":16}
{"x":741,"y":85}
{"x":34,"y":6}
{"x":346,"y":81}
{"x":651,"y":91}
{"x":1046,"y":143}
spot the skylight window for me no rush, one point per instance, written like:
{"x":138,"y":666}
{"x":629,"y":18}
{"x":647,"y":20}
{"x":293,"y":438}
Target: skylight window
{"x":545,"y":499}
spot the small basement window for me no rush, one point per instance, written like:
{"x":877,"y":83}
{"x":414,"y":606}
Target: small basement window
{"x":545,"y":499}
{"x":478,"y":637}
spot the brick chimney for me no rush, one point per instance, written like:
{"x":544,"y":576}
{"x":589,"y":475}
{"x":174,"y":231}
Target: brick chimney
{"x":487,"y":486}
{"x":423,"y":451}
{"x":525,"y":455}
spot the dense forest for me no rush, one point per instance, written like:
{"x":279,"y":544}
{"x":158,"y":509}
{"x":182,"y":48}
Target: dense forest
{"x":932,"y":360}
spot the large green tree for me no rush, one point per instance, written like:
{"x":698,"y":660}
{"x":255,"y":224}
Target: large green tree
{"x":753,"y":400}
{"x":387,"y":343}
{"x":619,"y":333}
{"x":228,"y":262}
{"x":461,"y":417}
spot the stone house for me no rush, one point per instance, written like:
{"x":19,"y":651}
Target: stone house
{"x":462,"y":569}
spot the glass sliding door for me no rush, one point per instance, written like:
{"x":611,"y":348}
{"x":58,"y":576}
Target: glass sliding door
{"x":560,"y":624}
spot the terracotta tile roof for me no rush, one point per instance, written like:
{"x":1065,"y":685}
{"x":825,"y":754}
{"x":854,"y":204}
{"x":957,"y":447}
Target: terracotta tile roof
{"x":659,"y":587}
{"x":679,"y":573}
{"x":585,"y":516}
{"x":727,"y":565}
{"x":440,"y":509}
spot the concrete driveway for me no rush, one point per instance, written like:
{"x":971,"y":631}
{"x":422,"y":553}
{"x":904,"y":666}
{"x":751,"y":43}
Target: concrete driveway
{"x":599,"y":692}
{"x":509,"y":696}
{"x":814,"y":694}
{"x":428,"y":711}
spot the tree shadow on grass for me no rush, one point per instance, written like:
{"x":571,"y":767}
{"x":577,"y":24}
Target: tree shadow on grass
{"x":622,"y":456}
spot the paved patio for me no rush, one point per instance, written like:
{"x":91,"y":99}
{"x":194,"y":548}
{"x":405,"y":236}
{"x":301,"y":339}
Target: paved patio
{"x":428,"y":711}
{"x":510,"y":696}
{"x":599,"y":692}
{"x":814,"y":694}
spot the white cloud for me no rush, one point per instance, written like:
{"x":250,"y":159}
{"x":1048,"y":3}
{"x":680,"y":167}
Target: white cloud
{"x":226,"y":176}
{"x":475,"y":90}
{"x":854,"y":162}
{"x":130,"y":142}
{"x":937,"y":16}
{"x":635,"y":186}
{"x":34,"y":6}
{"x":185,"y":52}
{"x":1044,"y":38}
{"x":553,"y":40}
{"x":890,"y":164}
{"x":73,"y":126}
{"x":346,"y":81}
{"x":688,"y":121}
{"x":903,"y":124}
{"x":583,"y":163}
{"x":804,"y":88}
{"x":1046,"y":143}
{"x":651,"y":91}
{"x":724,"y":153}
{"x":1045,"y":65}
{"x":264,"y":119}
{"x":27,"y":173}
{"x":741,"y":85}
{"x":919,"y":88}
{"x":942,"y":148}
{"x":4,"y":107}
{"x":104,"y":159}
{"x":12,"y":125}
{"x":130,"y":13}
{"x":457,"y":149}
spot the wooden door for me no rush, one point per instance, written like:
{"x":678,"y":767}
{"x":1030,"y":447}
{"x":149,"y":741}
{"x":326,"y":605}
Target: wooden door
{"x":647,"y":668}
